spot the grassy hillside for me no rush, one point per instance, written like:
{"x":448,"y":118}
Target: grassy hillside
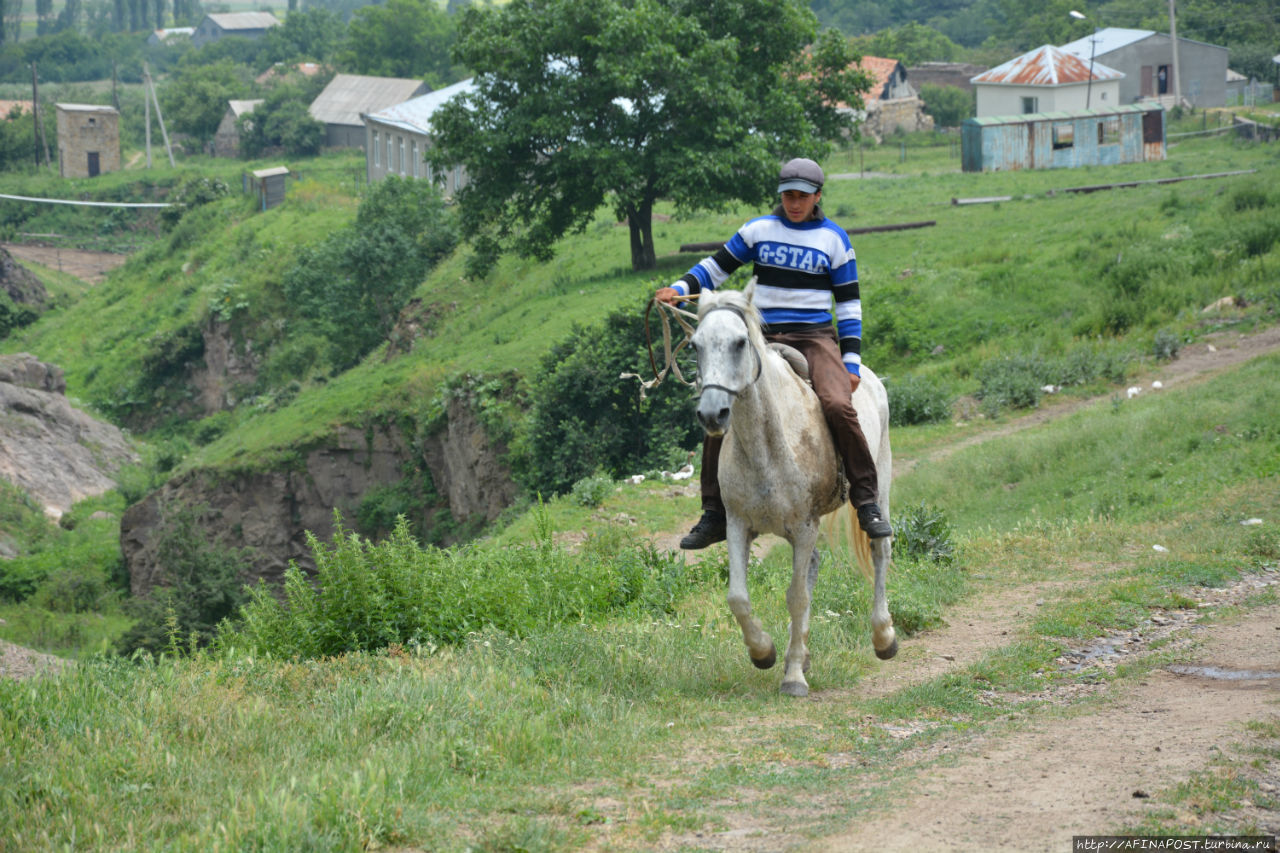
{"x":626,"y":728}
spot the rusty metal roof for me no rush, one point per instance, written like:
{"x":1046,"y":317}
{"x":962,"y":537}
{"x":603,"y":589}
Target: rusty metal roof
{"x":1046,"y":66}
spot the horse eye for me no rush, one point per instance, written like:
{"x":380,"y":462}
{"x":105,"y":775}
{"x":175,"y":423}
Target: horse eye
{"x":740,"y":344}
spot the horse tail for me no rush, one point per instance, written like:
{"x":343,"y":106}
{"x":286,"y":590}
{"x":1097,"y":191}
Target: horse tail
{"x":843,"y":531}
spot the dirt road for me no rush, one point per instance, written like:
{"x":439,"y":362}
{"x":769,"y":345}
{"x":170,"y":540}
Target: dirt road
{"x":89,"y":266}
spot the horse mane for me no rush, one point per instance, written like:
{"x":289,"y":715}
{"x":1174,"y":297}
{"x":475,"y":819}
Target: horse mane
{"x":738,"y":300}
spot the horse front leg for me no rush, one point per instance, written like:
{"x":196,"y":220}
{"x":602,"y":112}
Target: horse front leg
{"x":883,"y":637}
{"x":760,"y":646}
{"x":804,"y":571}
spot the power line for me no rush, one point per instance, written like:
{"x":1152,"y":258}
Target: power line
{"x":88,"y":203}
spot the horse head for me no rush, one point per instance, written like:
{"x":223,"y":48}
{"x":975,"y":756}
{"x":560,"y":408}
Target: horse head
{"x":728,"y":342}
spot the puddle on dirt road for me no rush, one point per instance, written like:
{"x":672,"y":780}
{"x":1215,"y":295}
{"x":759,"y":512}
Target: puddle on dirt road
{"x":1220,"y":673}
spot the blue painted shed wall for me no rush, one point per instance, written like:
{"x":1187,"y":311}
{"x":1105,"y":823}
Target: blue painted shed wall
{"x":1027,"y":143}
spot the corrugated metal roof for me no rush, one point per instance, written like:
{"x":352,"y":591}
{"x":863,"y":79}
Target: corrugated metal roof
{"x":1063,"y":115}
{"x":415,"y":114}
{"x":85,"y":108}
{"x":1104,"y":41}
{"x":349,"y":95}
{"x":1114,"y":38}
{"x":1045,"y":66}
{"x":244,"y":20}
{"x":239,"y":108}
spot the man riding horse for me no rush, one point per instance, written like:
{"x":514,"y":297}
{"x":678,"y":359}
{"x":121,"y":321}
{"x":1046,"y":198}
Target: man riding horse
{"x":802,"y":260}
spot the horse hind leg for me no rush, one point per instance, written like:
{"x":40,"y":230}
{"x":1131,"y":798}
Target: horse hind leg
{"x":883,"y":638}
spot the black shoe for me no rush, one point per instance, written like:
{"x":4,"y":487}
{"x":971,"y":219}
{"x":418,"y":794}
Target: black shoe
{"x":708,"y":531}
{"x":871,"y":521}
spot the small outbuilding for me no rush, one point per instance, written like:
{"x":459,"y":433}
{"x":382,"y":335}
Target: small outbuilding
{"x":226,"y":141}
{"x":268,"y":185}
{"x":1061,"y":140}
{"x":88,"y":140}
{"x":340,"y":105}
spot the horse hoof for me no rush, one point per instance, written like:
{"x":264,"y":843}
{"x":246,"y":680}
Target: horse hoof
{"x":768,"y":660}
{"x":795,"y":688}
{"x":885,"y":654}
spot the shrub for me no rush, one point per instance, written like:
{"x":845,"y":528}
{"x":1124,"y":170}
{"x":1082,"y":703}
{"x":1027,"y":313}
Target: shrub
{"x":1165,"y":345}
{"x":922,"y":532}
{"x":353,"y":284}
{"x":367,"y":595}
{"x":918,"y":400}
{"x":204,"y":585}
{"x":592,"y":491}
{"x":584,"y":420}
{"x":1014,"y":381}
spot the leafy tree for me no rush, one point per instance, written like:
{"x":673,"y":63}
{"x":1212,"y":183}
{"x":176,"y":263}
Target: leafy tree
{"x":404,"y":38}
{"x":353,"y":284}
{"x":911,"y":43}
{"x":195,"y":99}
{"x":310,"y":35}
{"x":281,"y":121}
{"x":631,"y":101}
{"x":949,"y":105}
{"x":585,"y":421}
{"x":44,"y":17}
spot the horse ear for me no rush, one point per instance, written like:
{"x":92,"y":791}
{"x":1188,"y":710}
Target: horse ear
{"x":750,"y":290}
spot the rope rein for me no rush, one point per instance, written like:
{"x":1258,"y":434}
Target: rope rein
{"x":669,"y":353}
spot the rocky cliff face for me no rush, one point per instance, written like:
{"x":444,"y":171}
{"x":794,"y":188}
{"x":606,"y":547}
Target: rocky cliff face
{"x":56,"y":453}
{"x":19,"y":284}
{"x":269,"y":513}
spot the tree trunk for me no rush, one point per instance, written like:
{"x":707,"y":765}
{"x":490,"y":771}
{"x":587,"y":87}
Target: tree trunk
{"x":640,"y":221}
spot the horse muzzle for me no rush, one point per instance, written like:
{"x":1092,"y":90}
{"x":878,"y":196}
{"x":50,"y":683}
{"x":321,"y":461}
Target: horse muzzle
{"x":713,"y":411}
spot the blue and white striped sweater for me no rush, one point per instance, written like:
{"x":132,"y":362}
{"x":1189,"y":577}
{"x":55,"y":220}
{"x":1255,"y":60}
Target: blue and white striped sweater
{"x":799,"y":269}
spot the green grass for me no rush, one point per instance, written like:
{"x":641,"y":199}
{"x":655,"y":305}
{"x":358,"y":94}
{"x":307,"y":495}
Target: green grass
{"x":643,"y":722}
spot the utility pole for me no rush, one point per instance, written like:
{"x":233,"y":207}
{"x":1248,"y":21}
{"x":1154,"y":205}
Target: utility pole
{"x":35,"y":113}
{"x":146,"y":103}
{"x":151,"y":87}
{"x":1173,"y":37}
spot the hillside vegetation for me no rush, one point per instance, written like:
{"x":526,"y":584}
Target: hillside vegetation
{"x":528,"y":690}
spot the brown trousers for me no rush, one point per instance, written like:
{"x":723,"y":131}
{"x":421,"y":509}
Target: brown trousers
{"x":830,"y":378}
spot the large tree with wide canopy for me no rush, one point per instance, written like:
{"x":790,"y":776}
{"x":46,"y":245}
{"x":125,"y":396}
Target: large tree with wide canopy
{"x":579,"y":103}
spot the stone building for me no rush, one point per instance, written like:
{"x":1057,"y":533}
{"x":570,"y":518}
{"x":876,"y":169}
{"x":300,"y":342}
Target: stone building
{"x":226,"y":142}
{"x":892,"y":103}
{"x":88,"y":140}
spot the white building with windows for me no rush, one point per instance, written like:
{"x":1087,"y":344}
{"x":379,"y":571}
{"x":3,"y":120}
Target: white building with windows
{"x":397,"y":139}
{"x":1045,"y":80}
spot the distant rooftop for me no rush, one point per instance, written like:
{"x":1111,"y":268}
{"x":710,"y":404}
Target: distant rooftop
{"x":244,"y":20}
{"x":415,"y":114}
{"x":1046,"y":66}
{"x":349,"y":95}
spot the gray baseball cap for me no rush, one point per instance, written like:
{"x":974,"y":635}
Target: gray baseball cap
{"x":801,"y":174}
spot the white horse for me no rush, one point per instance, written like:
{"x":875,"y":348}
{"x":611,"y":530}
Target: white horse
{"x":780,"y":472}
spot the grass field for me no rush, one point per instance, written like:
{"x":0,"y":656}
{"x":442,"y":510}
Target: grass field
{"x":638,"y":723}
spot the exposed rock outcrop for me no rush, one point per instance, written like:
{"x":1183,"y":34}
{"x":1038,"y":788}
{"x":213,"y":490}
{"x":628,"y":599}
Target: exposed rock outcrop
{"x":53,"y":451}
{"x":270,"y":512}
{"x":21,"y":285}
